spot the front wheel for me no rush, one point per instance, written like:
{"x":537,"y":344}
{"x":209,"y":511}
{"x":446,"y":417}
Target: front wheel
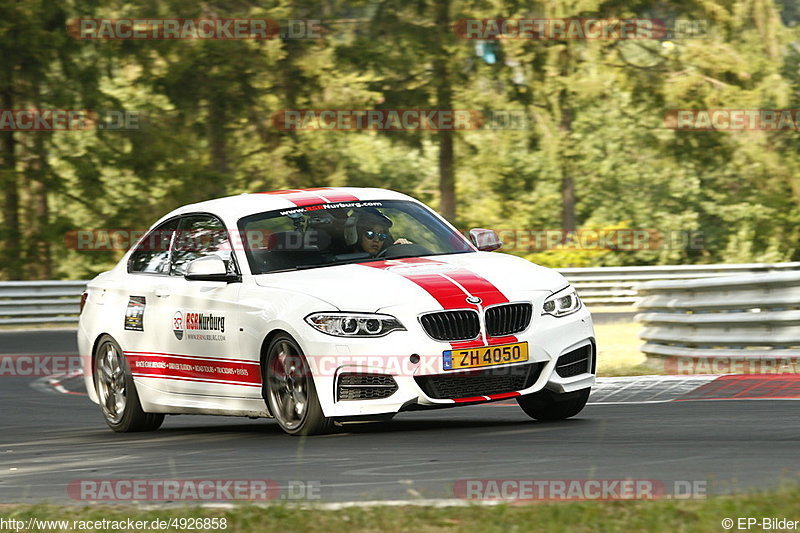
{"x":548,"y":405}
{"x":116,"y":391}
{"x":291,"y":395}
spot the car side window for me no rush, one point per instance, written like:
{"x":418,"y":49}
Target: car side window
{"x":152,"y":255}
{"x":199,"y":236}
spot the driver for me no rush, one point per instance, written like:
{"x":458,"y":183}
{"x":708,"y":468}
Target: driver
{"x":369,"y":232}
{"x":372,"y":239}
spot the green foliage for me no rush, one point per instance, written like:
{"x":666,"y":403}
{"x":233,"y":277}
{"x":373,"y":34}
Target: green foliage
{"x":595,"y":110}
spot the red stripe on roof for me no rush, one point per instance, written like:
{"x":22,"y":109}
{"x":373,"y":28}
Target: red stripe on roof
{"x":319,"y":195}
{"x":336,"y":196}
{"x":304,"y":200}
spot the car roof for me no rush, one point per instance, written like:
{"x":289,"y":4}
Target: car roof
{"x":242,"y":205}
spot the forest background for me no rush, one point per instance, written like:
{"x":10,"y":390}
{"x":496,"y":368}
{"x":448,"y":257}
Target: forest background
{"x":595,"y":151}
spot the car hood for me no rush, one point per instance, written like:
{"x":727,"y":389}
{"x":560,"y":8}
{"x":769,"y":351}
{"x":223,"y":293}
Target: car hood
{"x":432,"y":282}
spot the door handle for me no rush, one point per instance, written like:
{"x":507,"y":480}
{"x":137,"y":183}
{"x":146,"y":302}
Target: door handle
{"x":162,"y":292}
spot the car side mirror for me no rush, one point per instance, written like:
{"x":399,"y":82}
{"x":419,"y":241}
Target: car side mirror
{"x":485,"y":240}
{"x":210,"y":268}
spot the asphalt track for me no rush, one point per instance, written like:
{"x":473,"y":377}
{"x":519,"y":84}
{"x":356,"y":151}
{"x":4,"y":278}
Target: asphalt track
{"x":50,"y":439}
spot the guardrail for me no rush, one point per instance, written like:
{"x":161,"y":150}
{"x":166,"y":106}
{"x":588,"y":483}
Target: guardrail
{"x":619,"y":285}
{"x":40,"y":302}
{"x":46,"y":302}
{"x":746,"y":316}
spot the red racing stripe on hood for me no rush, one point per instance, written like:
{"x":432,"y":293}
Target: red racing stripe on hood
{"x":450,"y":288}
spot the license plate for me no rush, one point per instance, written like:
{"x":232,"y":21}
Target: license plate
{"x":485,"y":356}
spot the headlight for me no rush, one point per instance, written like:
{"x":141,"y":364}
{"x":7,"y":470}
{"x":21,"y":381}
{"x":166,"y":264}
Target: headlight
{"x":564,"y":302}
{"x":354,"y":324}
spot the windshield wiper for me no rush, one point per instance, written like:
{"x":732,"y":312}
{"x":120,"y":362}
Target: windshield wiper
{"x":351,"y":262}
{"x":363,"y":260}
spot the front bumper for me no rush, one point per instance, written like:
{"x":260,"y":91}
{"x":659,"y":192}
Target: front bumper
{"x":549,"y":338}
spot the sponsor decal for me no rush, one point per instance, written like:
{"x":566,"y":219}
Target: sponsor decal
{"x":198,"y":326}
{"x":134,"y":314}
{"x":177,"y":325}
{"x":217,"y":370}
{"x":338,"y":205}
{"x":203,"y":322}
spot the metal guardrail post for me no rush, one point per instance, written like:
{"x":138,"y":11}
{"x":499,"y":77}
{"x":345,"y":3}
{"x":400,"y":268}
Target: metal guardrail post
{"x":40,"y":302}
{"x":745,"y":316}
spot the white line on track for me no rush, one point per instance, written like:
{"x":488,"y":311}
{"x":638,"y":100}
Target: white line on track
{"x":337,"y":506}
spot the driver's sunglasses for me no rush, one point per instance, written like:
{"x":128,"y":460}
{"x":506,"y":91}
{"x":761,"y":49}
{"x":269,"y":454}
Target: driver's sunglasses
{"x":369,"y":234}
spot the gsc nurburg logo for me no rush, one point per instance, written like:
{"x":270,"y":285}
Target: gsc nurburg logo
{"x":202,"y":321}
{"x":198,"y":322}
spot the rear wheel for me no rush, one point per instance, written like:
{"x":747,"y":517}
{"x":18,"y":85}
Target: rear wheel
{"x":291,"y":395}
{"x":116,"y":391}
{"x":549,"y":405}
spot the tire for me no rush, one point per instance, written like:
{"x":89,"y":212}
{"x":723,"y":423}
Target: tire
{"x":290,"y":392}
{"x":547,"y":405}
{"x":116,"y":391}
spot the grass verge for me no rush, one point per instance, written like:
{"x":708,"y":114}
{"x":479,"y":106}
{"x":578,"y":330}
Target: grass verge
{"x":666,"y":515}
{"x":619,"y":354}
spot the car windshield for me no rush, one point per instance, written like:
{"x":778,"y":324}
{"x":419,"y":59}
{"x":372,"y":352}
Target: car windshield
{"x":346,"y":232}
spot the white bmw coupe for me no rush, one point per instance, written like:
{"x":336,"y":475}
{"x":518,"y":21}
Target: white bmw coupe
{"x":320,"y":307}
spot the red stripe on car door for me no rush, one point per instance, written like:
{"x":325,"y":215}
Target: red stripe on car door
{"x":187,"y":368}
